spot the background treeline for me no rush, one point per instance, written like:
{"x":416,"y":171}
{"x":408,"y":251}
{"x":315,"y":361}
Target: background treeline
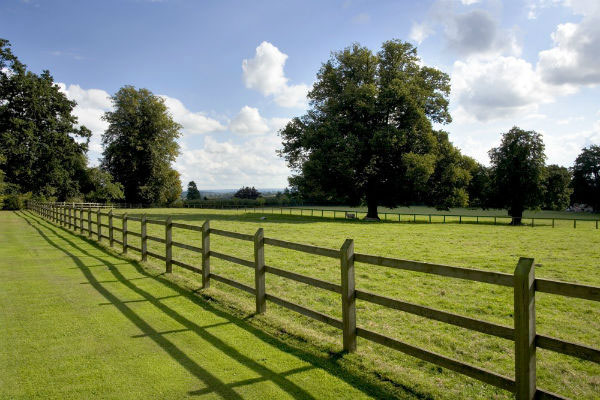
{"x":43,"y":149}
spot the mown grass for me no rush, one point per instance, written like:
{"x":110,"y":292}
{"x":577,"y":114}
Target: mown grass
{"x":561,"y":253}
{"x":80,"y":322}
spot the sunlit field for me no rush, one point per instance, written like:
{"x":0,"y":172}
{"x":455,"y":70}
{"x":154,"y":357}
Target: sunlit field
{"x":560,"y":253}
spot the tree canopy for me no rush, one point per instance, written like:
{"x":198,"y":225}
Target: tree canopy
{"x":368,"y":133}
{"x":518,"y":168}
{"x":140,"y":145}
{"x":586,"y":177}
{"x":42,"y":147}
{"x":247,"y":193}
{"x":192,"y":191}
{"x":557,"y":190}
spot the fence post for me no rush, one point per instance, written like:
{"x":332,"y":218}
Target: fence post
{"x":524,"y":318}
{"x":553,"y":222}
{"x":124,"y":233}
{"x":144,"y":239}
{"x":259,"y":271}
{"x":348,"y":295}
{"x":99,"y":222}
{"x":64,"y":221}
{"x":90,"y":222}
{"x":69,"y":222}
{"x":81,"y":220}
{"x":206,"y":255}
{"x":110,"y":228}
{"x":169,"y":244}
{"x":574,"y":223}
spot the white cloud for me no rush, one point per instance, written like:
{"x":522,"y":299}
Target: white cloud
{"x":498,"y":88}
{"x":420,"y":32}
{"x":249,"y":121}
{"x":264,"y":73}
{"x":225,"y":164}
{"x":469,"y":2}
{"x":194,"y":123}
{"x":575,"y":57}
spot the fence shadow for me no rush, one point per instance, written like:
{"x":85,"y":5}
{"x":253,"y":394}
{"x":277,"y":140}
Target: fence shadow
{"x":363,"y":382}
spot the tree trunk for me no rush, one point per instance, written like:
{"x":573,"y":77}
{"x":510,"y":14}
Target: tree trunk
{"x":516,"y":212}
{"x":372,"y":213}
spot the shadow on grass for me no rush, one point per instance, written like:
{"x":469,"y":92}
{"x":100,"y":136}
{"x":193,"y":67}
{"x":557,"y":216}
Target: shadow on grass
{"x":329,"y":364}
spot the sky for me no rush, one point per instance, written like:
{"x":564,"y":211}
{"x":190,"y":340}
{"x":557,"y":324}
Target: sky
{"x":234,"y":73}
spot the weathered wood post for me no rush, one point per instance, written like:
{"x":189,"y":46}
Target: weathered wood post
{"x":524,"y":317}
{"x":144,"y":238}
{"x":124,"y":233}
{"x":81,"y":220}
{"x":68,"y":217}
{"x":259,"y":271}
{"x":111,"y":239}
{"x":348,"y":295}
{"x":99,"y":223}
{"x":90,"y":222}
{"x":169,"y":245}
{"x":206,"y":255}
{"x":574,"y":223}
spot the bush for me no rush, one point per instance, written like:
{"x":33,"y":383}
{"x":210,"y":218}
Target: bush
{"x":13,"y":202}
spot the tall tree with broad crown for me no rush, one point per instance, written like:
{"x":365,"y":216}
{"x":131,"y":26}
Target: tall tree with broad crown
{"x":586,"y":177}
{"x":368,"y":133}
{"x":140,"y":145}
{"x":518,"y":171}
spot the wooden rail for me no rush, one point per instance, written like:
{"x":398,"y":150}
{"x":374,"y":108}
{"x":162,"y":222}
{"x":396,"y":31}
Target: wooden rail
{"x":523,"y":282}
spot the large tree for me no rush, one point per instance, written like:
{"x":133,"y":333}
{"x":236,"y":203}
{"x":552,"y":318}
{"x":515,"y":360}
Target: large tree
{"x":557,"y":190}
{"x":518,"y":168}
{"x":140,"y":145}
{"x":586,"y":177}
{"x":368,"y":133}
{"x":40,"y":141}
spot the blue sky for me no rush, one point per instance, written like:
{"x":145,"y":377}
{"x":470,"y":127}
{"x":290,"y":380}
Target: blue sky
{"x":233,"y":73}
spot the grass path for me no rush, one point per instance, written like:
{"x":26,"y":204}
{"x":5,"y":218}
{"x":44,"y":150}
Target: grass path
{"x":77,"y":321}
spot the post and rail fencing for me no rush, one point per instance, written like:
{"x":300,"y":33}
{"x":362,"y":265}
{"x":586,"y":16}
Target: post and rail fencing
{"x":402,"y":217}
{"x":523,"y":281}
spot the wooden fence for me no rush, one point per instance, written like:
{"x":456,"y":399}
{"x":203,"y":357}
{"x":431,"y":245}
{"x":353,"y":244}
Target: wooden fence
{"x":404,"y":217}
{"x":523,"y":282}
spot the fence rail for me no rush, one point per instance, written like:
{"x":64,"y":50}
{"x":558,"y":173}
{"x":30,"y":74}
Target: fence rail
{"x":400,"y":217}
{"x":523,"y":282}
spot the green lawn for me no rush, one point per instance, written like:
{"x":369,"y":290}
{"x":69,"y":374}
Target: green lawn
{"x":561,"y":253}
{"x":80,"y":322}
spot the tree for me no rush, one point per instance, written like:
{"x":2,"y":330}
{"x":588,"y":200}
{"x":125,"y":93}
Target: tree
{"x":247,"y":193}
{"x":586,"y":177}
{"x":42,"y":146}
{"x":518,"y":167}
{"x":192,"y":191}
{"x":100,"y":188}
{"x":140,"y":145}
{"x":557,"y":193}
{"x":480,"y":187}
{"x":368,"y":133}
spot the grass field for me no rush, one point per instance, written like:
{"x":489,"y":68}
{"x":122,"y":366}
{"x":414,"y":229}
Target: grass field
{"x":561,"y":253}
{"x":78,"y":322}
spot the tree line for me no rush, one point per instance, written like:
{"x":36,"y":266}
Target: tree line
{"x":369,"y":138}
{"x":43,"y":149}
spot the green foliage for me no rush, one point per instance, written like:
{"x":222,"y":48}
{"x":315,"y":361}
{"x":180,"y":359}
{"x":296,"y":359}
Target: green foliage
{"x":192,"y":191}
{"x":368,"y":134}
{"x":42,"y":147}
{"x":100,"y":188}
{"x":480,"y":187}
{"x":247,"y":193}
{"x":518,"y":167}
{"x":586,"y":177}
{"x":557,"y":193}
{"x":140,"y":145}
{"x":13,"y":202}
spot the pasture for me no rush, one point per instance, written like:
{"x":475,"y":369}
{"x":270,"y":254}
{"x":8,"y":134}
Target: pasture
{"x":560,"y":253}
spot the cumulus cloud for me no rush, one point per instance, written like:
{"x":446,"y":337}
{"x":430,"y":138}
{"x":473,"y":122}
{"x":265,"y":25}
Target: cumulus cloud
{"x":194,"y":123}
{"x":249,"y":121}
{"x":420,"y":32}
{"x":575,"y":57}
{"x":497,"y":88}
{"x":225,"y":164}
{"x":264,"y":73}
